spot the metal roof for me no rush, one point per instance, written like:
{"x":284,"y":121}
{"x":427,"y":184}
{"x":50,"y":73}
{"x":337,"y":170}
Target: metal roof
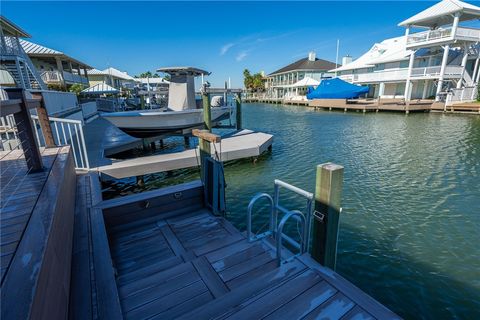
{"x":306,"y":65}
{"x":111,"y":72}
{"x":389,"y":50}
{"x":184,"y":70}
{"x":100,"y":88}
{"x":37,"y":50}
{"x":10,"y":28}
{"x":441,"y":14}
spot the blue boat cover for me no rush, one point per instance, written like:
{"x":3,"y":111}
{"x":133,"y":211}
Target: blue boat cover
{"x":336,"y":88}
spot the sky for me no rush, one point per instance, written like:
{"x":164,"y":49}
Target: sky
{"x":221,"y":37}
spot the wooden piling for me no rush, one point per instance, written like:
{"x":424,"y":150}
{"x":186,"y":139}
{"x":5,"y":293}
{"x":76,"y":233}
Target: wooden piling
{"x":238,"y":101}
{"x":328,"y":192}
{"x":203,"y":144}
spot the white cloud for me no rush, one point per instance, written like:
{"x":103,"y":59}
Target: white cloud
{"x":241,"y":56}
{"x":224,"y":49}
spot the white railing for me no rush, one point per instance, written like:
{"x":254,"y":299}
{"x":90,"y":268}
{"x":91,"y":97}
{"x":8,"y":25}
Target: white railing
{"x":468,"y":33}
{"x":65,"y":132}
{"x":402,"y":74}
{"x":430,"y":35}
{"x":51,"y":77}
{"x":466,"y":94}
{"x":442,"y":34}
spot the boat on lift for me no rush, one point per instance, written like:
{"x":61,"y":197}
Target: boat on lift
{"x":182,"y":112}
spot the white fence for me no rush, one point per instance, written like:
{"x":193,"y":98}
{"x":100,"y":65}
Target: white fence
{"x":461,"y":95}
{"x":65,"y":132}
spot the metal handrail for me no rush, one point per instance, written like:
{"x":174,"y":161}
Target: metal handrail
{"x":275,"y":208}
{"x":303,"y":240}
{"x":257,"y":197}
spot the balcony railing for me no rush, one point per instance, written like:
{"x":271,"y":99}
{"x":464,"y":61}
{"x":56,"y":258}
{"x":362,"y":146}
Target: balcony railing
{"x":57,"y":77}
{"x":438,"y":35}
{"x":402,"y":74}
{"x":429,"y":35}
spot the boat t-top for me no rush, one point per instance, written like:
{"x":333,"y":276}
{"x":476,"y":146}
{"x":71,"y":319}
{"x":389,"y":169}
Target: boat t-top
{"x":182,"y":111}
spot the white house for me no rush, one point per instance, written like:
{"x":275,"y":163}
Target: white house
{"x":441,"y":62}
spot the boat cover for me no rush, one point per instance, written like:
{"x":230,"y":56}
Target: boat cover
{"x":336,"y":88}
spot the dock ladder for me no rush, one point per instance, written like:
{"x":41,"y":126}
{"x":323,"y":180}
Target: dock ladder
{"x":276,"y":230}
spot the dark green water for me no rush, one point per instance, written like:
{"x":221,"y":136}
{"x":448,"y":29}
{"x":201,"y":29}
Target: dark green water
{"x":410,"y":226}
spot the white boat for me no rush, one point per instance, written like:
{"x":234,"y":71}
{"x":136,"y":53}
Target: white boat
{"x":182,"y":112}
{"x":142,"y":124}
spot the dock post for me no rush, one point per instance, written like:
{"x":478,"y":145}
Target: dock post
{"x":204,"y":145}
{"x":44,"y":121}
{"x":328,"y":193}
{"x":238,"y":120}
{"x":142,"y":102}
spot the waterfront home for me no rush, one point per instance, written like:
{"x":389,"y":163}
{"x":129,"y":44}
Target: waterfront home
{"x":16,"y":69}
{"x":441,"y":62}
{"x":57,"y":69}
{"x":282,"y":83}
{"x":110,"y":76}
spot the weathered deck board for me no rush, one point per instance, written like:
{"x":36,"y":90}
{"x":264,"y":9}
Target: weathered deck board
{"x":213,"y":271}
{"x":19,"y":194}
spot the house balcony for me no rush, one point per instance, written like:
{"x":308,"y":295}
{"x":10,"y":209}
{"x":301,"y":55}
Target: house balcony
{"x":397,"y":75}
{"x":441,"y":36}
{"x":67,"y":77}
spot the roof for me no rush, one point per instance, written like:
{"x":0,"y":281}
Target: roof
{"x":440,"y":14}
{"x":389,"y":50}
{"x":100,"y":88}
{"x":184,"y":70}
{"x":305,"y":64}
{"x":305,"y":82}
{"x":10,"y":28}
{"x":112,"y":72}
{"x":37,"y":50}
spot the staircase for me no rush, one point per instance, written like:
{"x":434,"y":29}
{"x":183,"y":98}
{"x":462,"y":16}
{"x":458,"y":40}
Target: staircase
{"x":18,"y":64}
{"x":23,"y":74}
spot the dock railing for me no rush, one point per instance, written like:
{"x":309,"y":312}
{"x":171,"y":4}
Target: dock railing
{"x":318,"y":222}
{"x":46,"y":131}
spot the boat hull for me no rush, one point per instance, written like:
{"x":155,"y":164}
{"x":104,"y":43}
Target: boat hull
{"x":151,"y":123}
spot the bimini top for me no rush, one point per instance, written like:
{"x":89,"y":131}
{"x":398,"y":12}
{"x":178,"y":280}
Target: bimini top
{"x":336,"y":88}
{"x":441,"y":13}
{"x":184,"y":71}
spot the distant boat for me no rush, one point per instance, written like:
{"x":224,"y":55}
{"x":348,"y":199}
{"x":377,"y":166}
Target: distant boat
{"x":182,"y":112}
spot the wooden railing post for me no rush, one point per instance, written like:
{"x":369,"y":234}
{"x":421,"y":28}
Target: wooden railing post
{"x":25,"y":131}
{"x":205,"y":149}
{"x":328,"y":193}
{"x":238,"y":101}
{"x":44,"y":122}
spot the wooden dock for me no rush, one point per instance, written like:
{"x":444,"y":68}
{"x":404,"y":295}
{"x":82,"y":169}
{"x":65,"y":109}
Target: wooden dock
{"x":159,"y":254}
{"x":36,"y":234}
{"x":242,"y":144}
{"x":172,"y":259}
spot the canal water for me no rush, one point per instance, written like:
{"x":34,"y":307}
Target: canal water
{"x":410,"y":226}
